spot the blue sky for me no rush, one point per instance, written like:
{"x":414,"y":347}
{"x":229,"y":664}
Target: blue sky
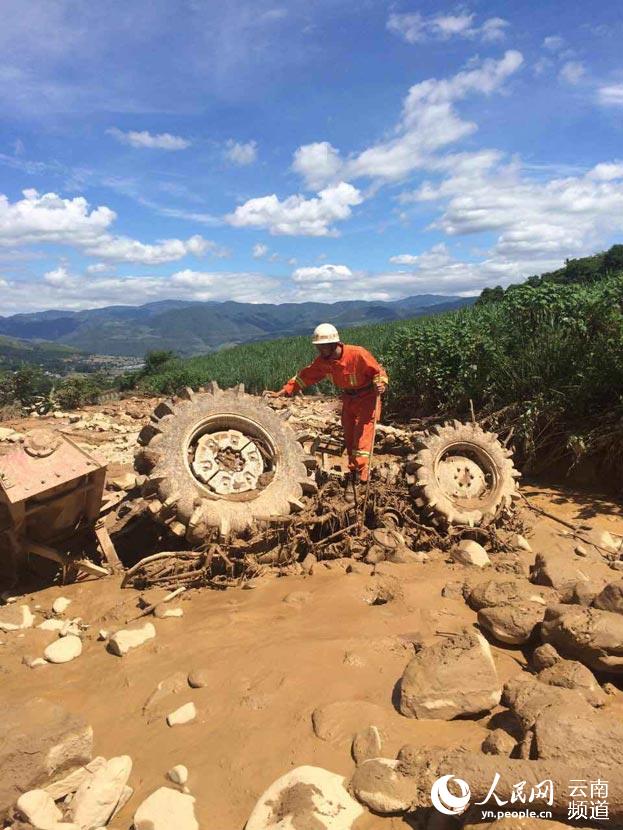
{"x":270,"y":152}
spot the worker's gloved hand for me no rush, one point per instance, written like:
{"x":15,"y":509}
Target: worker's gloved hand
{"x":381,"y":387}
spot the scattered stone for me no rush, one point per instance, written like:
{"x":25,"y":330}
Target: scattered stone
{"x":610,"y":598}
{"x":178,"y":774}
{"x":125,"y":482}
{"x":570,"y":674}
{"x":16,"y":618}
{"x":185,"y":714}
{"x":512,"y":624}
{"x":403,"y":555}
{"x":383,"y":786}
{"x":367,"y":744}
{"x":468,"y":552}
{"x":39,"y":809}
{"x":582,"y":593}
{"x":164,"y":611}
{"x":64,"y":649}
{"x":33,"y":662}
{"x":499,"y":742}
{"x":52,"y":625}
{"x":580,"y":550}
{"x":199,"y":678}
{"x":38,"y":740}
{"x":128,"y":638}
{"x":589,"y":635}
{"x":305,"y":797}
{"x":453,"y":590}
{"x":454,"y":677}
{"x":166,"y":809}
{"x":339,"y":721}
{"x":611,"y":542}
{"x":60,"y":605}
{"x":545,"y":656}
{"x":97,"y":797}
{"x":520,"y":542}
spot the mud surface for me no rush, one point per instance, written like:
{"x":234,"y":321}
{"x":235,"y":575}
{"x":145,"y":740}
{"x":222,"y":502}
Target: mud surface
{"x":291,"y":647}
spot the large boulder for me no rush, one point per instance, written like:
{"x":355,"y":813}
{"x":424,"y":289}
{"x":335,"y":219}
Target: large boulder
{"x":569,"y":674}
{"x":511,"y":624}
{"x":494,"y":592}
{"x":468,"y":552}
{"x":596,"y":738}
{"x":589,"y":635}
{"x":39,"y":741}
{"x":306,"y":797}
{"x":610,"y":598}
{"x":452,"y":678}
{"x":562,"y":570}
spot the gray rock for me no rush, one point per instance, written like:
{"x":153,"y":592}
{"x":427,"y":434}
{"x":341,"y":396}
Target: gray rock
{"x":557,"y":569}
{"x":185,"y":714}
{"x":454,"y":677}
{"x":494,"y":592}
{"x":383,"y":786}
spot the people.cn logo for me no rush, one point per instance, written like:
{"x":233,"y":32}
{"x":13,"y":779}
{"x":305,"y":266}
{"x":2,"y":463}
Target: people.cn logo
{"x":445,"y":801}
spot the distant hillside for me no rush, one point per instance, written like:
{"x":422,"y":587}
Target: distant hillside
{"x":53,"y":357}
{"x":191,"y":328}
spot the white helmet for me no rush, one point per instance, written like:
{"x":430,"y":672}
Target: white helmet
{"x":325,"y":333}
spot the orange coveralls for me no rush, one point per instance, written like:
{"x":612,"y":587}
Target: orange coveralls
{"x":355,"y":374}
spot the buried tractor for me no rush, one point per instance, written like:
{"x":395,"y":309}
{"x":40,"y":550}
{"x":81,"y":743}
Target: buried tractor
{"x":244,"y":490}
{"x":237,"y":486}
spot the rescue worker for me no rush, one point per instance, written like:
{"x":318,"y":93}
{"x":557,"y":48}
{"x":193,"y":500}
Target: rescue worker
{"x":361,"y":380}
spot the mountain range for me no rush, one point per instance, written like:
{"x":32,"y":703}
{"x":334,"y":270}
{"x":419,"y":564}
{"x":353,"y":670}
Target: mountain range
{"x":190,"y":328}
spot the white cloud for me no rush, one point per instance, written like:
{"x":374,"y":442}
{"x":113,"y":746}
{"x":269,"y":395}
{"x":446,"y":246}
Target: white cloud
{"x":322,"y":273}
{"x":297,"y":216}
{"x":259,"y":251}
{"x":99,"y":268}
{"x":607,"y":171}
{"x":572,"y":72}
{"x":437,"y":257}
{"x":611,"y":95}
{"x":536,"y":222}
{"x":123,"y":249}
{"x":318,"y":164}
{"x":145,"y":139}
{"x":49,"y":218}
{"x":554,"y":43}
{"x":413,"y":27}
{"x":241,"y":154}
{"x":60,"y":289}
{"x":58,"y":277}
{"x":428,"y":122}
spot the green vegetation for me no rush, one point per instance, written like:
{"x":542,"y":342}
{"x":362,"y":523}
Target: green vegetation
{"x":542,"y":361}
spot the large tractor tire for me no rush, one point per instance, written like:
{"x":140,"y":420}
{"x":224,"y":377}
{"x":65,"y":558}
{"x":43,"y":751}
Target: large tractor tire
{"x":463,"y":475}
{"x":219,"y":459}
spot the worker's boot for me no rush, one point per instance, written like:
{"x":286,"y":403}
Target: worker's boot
{"x":351,"y":480}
